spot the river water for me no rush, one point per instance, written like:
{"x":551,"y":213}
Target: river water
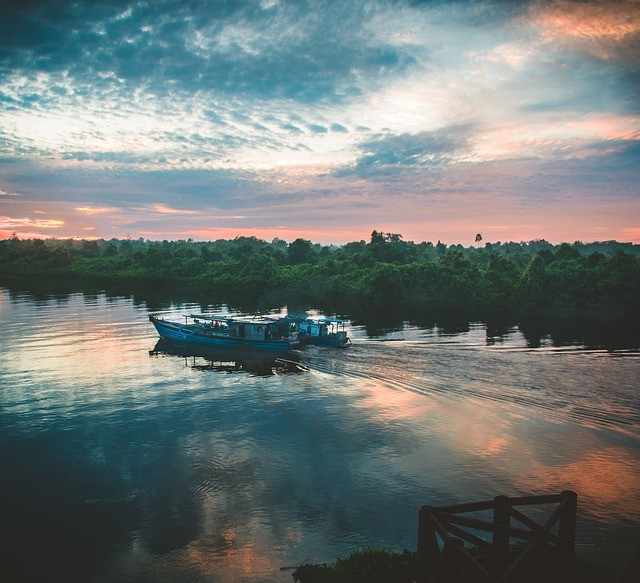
{"x":120,"y":462}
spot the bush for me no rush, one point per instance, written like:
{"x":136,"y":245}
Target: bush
{"x":364,"y":566}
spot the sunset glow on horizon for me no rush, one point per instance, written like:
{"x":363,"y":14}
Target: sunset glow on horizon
{"x":322,"y":120}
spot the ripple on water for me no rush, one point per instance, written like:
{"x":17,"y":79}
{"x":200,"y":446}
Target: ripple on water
{"x":232,"y":471}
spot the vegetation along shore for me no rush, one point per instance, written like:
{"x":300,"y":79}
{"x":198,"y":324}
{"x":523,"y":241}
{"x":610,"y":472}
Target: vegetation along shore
{"x":602,"y":275}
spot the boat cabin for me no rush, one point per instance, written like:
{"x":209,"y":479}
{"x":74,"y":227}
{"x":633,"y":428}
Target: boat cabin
{"x":249,"y":329}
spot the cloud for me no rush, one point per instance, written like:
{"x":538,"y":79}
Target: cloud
{"x":27,"y":223}
{"x":594,"y":27}
{"x":393,"y":153}
{"x":88,"y":210}
{"x":165,"y":210}
{"x":231,"y":47}
{"x":127,"y":84}
{"x":270,"y":112}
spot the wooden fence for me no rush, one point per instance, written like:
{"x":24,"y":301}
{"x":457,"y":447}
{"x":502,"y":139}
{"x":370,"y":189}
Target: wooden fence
{"x":442,"y":532}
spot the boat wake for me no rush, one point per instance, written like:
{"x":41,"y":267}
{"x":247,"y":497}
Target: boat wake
{"x":523,"y":381}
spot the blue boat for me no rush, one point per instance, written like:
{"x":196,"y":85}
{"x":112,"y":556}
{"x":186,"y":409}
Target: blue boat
{"x":230,"y":332}
{"x":322,"y":331}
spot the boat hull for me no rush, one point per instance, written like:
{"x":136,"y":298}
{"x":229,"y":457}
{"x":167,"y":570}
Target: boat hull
{"x":182,"y":333}
{"x":324,"y":340}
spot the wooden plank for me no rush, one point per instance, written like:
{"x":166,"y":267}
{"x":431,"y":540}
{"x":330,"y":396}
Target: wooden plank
{"x":514,"y":572}
{"x":450,"y":570}
{"x":477,"y":568}
{"x":567,"y":526}
{"x":428,"y":551}
{"x":440,"y":529}
{"x":484,"y":525}
{"x":467,"y":507}
{"x":555,"y":515}
{"x":501,"y":518}
{"x":532,"y":500}
{"x":532,"y":524}
{"x":473,"y":539}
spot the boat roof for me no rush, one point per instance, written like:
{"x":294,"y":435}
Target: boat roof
{"x":212,"y":318}
{"x":232,"y":319}
{"x":318,"y":319}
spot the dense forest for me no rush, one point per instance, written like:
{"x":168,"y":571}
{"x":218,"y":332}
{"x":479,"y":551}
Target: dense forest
{"x":602,"y":275}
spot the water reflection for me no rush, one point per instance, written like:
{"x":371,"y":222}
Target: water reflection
{"x":155,"y":471}
{"x":229,"y":360}
{"x":539,"y":327}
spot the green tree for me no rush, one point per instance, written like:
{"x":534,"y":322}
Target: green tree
{"x":532,"y":282}
{"x":110,"y":250}
{"x":300,"y":251}
{"x":382,"y":282}
{"x":90,"y":249}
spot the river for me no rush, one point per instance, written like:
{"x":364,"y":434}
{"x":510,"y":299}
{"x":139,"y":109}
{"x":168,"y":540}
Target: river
{"x":124,"y":463}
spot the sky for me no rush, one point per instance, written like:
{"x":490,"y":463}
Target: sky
{"x":437,"y":120}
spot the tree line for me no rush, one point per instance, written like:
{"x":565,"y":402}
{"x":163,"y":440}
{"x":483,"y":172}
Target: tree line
{"x":604,"y":275}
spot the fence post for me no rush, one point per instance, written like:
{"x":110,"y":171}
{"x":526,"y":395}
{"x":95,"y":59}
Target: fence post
{"x":500,"y":542}
{"x":567,"y":524}
{"x":450,"y":570}
{"x":428,"y":550}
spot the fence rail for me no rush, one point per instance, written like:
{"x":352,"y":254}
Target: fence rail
{"x":443,"y":558}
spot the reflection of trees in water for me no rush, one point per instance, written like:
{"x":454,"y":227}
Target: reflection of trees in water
{"x":575,"y":327}
{"x":558,"y":326}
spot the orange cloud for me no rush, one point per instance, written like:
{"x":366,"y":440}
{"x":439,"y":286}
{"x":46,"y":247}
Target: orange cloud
{"x":596,"y":27}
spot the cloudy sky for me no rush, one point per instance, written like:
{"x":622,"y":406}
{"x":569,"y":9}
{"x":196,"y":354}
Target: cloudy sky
{"x":170,"y":119}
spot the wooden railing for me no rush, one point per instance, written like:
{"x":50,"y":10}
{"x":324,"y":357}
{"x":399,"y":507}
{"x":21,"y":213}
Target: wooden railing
{"x":443,"y":531}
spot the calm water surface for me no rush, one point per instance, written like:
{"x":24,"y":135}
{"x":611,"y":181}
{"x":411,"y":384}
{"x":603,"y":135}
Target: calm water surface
{"x":124,"y":464}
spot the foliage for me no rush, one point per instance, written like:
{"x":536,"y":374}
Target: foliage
{"x":364,"y":566}
{"x":387,"y":268}
{"x":381,"y":566}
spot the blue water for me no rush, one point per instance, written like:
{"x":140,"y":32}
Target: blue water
{"x":119,"y":463}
